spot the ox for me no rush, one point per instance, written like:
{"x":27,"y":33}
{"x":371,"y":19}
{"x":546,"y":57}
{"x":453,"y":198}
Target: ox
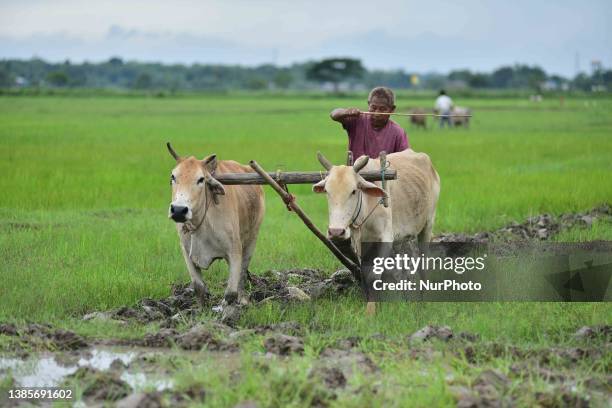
{"x":354,"y":203}
{"x":418,"y":119}
{"x":457,"y":120}
{"x":213,"y":221}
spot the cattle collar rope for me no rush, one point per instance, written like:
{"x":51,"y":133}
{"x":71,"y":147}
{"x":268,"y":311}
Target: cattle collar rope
{"x":358,"y":210}
{"x":359,"y":204}
{"x":190,"y":231}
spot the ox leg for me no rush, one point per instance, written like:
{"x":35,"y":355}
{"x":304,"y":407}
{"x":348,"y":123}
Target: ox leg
{"x":199,"y":286}
{"x":247,"y":253}
{"x":370,"y":309}
{"x":425,"y":234}
{"x":236,"y":278}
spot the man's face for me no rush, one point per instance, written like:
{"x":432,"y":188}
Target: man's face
{"x":377,"y":104}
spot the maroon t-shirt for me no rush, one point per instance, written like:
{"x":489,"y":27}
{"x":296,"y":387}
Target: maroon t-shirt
{"x":364,"y":139}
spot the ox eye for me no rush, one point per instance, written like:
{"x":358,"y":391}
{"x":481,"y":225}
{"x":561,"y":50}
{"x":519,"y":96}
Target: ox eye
{"x":201,"y":180}
{"x":172,"y":179}
{"x":354,"y":191}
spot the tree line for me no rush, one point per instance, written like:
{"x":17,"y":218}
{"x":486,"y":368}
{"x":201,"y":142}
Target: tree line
{"x":334,"y":74}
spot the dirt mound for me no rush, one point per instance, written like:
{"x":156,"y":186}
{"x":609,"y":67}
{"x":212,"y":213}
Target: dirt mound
{"x":541,"y":227}
{"x":43,"y":337}
{"x":8,"y":329}
{"x":294,"y":285}
{"x":212,"y":336}
{"x":180,"y":305}
{"x":336,"y":366}
{"x":293,"y":328}
{"x":595,"y":332}
{"x":298,"y":284}
{"x":160,"y":399}
{"x":488,"y":390}
{"x":560,"y":356}
{"x":443,"y":333}
{"x":99,"y":385}
{"x":283,"y":344}
{"x":201,"y":336}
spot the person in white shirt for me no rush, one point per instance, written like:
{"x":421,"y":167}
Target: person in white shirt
{"x":444,"y":107}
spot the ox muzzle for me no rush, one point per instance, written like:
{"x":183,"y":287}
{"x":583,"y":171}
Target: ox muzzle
{"x":180,"y":213}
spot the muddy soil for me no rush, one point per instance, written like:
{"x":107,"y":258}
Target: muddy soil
{"x":299,"y":285}
{"x":126,"y":375}
{"x":540,"y":227}
{"x":119,"y":370}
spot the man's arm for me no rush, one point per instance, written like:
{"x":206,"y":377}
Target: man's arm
{"x":341,"y":114}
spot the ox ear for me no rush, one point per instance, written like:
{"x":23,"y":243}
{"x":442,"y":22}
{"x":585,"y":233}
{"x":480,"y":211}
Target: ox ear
{"x":371,"y":189}
{"x":215,"y":186}
{"x":210,"y":163}
{"x":319,"y":187}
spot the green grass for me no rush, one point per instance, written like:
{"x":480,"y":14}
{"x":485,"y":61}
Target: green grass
{"x":83,"y":221}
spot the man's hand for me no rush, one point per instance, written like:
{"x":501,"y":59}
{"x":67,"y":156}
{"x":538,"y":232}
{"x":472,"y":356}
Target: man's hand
{"x":340,"y":114}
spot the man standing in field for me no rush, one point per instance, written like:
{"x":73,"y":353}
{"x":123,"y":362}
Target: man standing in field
{"x":371,"y":134}
{"x":444,"y":107}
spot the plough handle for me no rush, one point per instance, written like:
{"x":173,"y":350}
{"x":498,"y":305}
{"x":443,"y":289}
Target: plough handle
{"x":290,"y":201}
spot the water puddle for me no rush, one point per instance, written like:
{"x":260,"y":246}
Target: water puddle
{"x":50,"y":370}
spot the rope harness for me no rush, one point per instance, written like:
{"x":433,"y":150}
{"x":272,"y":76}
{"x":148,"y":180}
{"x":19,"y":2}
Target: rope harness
{"x":190,"y":231}
{"x":357,"y":210}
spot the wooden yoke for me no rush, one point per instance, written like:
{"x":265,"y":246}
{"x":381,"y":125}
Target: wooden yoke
{"x":294,"y":177}
{"x":290,"y":201}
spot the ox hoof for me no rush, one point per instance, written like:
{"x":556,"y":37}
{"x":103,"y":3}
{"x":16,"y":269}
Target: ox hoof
{"x":231,"y":315}
{"x":231,"y":297}
{"x":201,"y":292}
{"x":243,"y":299}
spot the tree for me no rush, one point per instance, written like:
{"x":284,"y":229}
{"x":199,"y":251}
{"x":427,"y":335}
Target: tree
{"x":5,"y":78}
{"x":335,"y":70}
{"x":57,"y":78}
{"x":479,"y":80}
{"x":256,"y":83}
{"x":502,"y":77}
{"x":283,"y":79}
{"x":143,"y":81}
{"x":115,"y":61}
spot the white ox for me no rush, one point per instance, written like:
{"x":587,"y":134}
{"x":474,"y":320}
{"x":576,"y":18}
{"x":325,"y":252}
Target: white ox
{"x":215,"y":222}
{"x":351,"y":199}
{"x":460,"y":116}
{"x":354,"y":204}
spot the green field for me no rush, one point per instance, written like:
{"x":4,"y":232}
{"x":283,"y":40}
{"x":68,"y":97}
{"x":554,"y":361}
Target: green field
{"x":83,"y":220}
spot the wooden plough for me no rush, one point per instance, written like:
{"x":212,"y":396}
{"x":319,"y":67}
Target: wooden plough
{"x":279,"y":181}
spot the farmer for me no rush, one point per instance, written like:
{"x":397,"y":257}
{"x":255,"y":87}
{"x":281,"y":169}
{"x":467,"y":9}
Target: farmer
{"x":444,"y":107}
{"x":371,"y":134}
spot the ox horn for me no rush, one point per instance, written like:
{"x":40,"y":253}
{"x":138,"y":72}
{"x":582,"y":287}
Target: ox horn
{"x":324,"y":162}
{"x":360,"y":163}
{"x":172,"y":152}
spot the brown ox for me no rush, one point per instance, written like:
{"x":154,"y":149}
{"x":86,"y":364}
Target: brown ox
{"x":213,"y":221}
{"x":354,"y":209}
{"x":418,"y":119}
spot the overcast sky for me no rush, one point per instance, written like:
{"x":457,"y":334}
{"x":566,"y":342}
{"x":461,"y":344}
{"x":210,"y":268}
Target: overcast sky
{"x":419,"y":36}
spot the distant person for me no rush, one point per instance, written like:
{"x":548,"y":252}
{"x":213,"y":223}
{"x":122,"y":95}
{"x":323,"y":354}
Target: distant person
{"x":444,"y":107}
{"x":371,"y":134}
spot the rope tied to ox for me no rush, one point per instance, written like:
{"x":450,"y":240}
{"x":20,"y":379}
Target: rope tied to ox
{"x":289,"y":198}
{"x":190,"y":231}
{"x":383,"y":168}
